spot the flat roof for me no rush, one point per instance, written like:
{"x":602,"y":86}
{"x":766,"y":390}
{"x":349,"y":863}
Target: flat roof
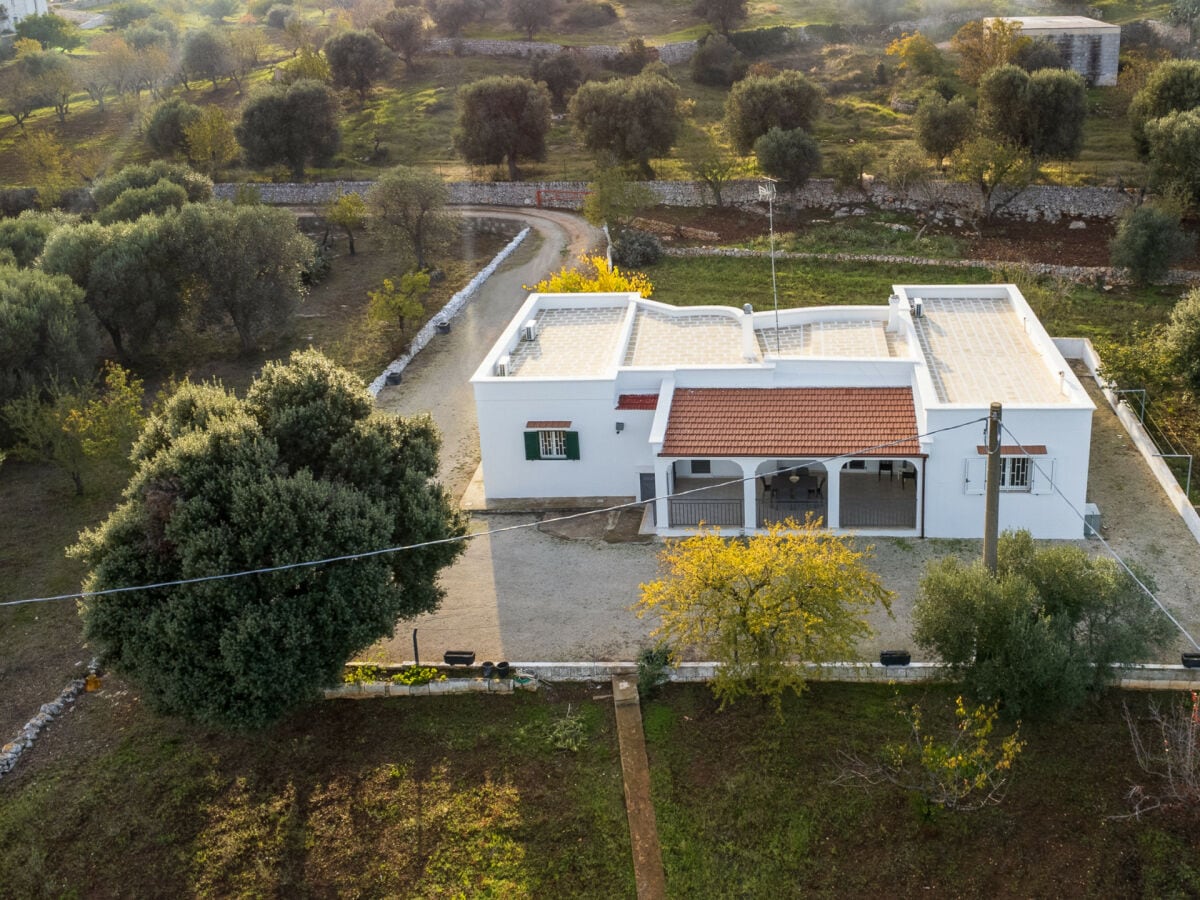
{"x":852,"y":339}
{"x":573,"y":340}
{"x":978,"y":350}
{"x":699,"y":339}
{"x":1059,"y":23}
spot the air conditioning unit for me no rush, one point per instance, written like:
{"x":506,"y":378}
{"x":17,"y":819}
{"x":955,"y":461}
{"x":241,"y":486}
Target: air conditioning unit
{"x":503,"y":366}
{"x":918,"y":308}
{"x":529,"y":330}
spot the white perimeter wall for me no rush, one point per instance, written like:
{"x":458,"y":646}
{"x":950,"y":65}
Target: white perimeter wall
{"x":952,"y":512}
{"x":608,"y":463}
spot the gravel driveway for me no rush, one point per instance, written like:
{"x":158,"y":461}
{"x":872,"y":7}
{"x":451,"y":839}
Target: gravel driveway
{"x":565,"y":591}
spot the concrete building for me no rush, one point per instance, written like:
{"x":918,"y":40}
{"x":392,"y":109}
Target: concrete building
{"x":1090,"y":47}
{"x":867,"y":416}
{"x":19,"y":9}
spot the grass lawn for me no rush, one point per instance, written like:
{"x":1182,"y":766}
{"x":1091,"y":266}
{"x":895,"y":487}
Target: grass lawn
{"x":449,"y":797}
{"x":746,"y":807}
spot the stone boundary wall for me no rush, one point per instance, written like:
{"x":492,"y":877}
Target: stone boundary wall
{"x":671,"y":54}
{"x":11,"y":752}
{"x":1082,"y":349}
{"x":452,"y":308}
{"x":1074,"y":273}
{"x":1049,"y":203}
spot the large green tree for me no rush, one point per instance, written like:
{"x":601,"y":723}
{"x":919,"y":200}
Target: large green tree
{"x":502,"y":119}
{"x":943,"y":126}
{"x":405,"y":32}
{"x":295,"y":126}
{"x":129,"y":272}
{"x":207,"y":55}
{"x":26,"y":235}
{"x":1043,"y":112}
{"x":1173,"y":86}
{"x":50,"y":30}
{"x":243,"y":264}
{"x":628,"y":120}
{"x":530,"y":16}
{"x":46,"y":332}
{"x":1147,"y":242}
{"x":762,"y":102}
{"x":357,"y":59}
{"x":791,"y":156}
{"x":300,"y":470}
{"x":1174,"y":145}
{"x":1042,"y":631}
{"x":407,"y":209}
{"x":761,"y":606}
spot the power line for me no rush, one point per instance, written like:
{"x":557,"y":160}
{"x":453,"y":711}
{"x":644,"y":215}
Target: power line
{"x":366,"y":554}
{"x":1107,"y":546}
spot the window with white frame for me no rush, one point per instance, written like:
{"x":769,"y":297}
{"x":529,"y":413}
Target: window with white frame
{"x":552,"y":444}
{"x":1014,"y":473}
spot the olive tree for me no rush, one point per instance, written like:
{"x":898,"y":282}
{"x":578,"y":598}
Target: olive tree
{"x":628,"y":120}
{"x":296,"y":126}
{"x":407,"y":208}
{"x":1043,"y":631}
{"x":502,"y":119}
{"x":761,"y":102}
{"x":357,"y":59}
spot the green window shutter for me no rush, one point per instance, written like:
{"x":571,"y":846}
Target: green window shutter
{"x":572,"y":441}
{"x":533,"y":445}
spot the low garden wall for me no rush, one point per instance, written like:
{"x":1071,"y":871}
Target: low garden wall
{"x":452,"y":308}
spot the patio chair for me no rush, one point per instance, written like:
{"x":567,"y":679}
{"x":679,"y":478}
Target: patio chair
{"x":819,"y":491}
{"x":885,"y":465}
{"x":908,"y":473}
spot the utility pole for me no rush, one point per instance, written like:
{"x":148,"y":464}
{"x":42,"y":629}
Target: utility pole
{"x":991,"y":514}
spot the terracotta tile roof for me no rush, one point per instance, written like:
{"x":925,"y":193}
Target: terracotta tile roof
{"x":790,"y":422}
{"x":637,"y":401}
{"x":1015,"y":450}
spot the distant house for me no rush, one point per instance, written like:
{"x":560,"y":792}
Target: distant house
{"x":853,"y":413}
{"x":19,"y":9}
{"x":1088,"y":46}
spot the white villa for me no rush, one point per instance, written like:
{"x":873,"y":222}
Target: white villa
{"x":852,"y":413}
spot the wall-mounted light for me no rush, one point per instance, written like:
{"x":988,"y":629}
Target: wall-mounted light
{"x":620,"y":427}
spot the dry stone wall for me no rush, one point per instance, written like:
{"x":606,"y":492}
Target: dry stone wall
{"x":1049,"y":203}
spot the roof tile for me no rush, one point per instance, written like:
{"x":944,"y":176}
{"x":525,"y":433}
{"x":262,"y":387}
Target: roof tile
{"x":791,"y":422}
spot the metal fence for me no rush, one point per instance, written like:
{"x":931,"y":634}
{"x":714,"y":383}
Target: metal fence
{"x":1170,"y":446}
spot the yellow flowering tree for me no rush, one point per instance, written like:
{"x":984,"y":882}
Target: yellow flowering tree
{"x":763,"y":604}
{"x":592,"y":276}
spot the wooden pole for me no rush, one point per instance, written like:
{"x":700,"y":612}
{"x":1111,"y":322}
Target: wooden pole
{"x":991,"y":515}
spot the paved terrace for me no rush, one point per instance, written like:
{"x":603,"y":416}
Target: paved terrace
{"x":857,"y":339}
{"x":977,"y":351}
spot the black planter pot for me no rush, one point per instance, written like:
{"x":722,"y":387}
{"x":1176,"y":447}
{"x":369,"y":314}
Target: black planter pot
{"x":503,"y":670}
{"x":443,"y":327}
{"x":894,"y":657}
{"x":488,"y":668}
{"x":1191,"y":660}
{"x":392,"y":378}
{"x":459,"y":658}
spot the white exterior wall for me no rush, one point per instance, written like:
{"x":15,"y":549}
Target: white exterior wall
{"x":19,"y":9}
{"x":950,"y":511}
{"x":608,"y":463}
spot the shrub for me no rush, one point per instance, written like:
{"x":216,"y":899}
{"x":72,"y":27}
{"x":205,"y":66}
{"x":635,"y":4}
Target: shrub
{"x":417,"y":675}
{"x":652,"y":670}
{"x":636,"y":249}
{"x":791,"y":156}
{"x":1043,"y":631}
{"x":634,"y":57}
{"x":755,"y":42}
{"x":590,"y":15}
{"x":165,"y":131}
{"x":1147,"y":242}
{"x":279,"y":16}
{"x":1183,"y":338}
{"x":717,"y":62}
